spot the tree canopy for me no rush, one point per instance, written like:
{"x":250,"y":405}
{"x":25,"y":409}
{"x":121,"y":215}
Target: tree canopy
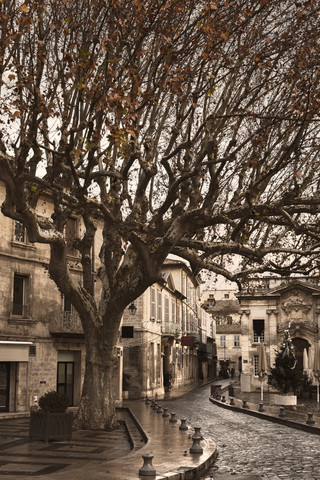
{"x":183,"y":126}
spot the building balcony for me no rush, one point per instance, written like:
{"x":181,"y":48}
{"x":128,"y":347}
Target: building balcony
{"x":170,"y":329}
{"x":66,"y":323}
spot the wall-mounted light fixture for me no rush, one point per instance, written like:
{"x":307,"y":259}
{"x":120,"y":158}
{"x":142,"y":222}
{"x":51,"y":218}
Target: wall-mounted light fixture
{"x":132,"y":309}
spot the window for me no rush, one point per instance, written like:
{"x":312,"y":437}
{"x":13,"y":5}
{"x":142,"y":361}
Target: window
{"x":159,"y":313}
{"x":67,"y":305}
{"x":256,"y":365}
{"x":226,"y":295}
{"x":183,"y":319}
{"x":20,"y":295}
{"x":188,"y":292}
{"x":229,"y":320}
{"x":166,"y":310}
{"x":258,"y":331}
{"x":223,"y":341}
{"x":211,"y":295}
{"x":153,"y":303}
{"x":178,"y":314}
{"x":183,"y":285}
{"x":20,"y":234}
{"x":127,"y":331}
{"x":236,"y":341}
{"x":173,"y":311}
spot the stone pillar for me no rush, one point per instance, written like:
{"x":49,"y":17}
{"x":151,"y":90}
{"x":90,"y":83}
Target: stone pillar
{"x":272,"y":333}
{"x":245,"y":343}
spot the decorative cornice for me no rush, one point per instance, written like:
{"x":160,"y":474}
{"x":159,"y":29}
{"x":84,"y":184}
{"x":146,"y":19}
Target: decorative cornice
{"x":296,"y":326}
{"x":296,"y":303}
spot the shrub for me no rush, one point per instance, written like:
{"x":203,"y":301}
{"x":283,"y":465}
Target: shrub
{"x":53,"y":402}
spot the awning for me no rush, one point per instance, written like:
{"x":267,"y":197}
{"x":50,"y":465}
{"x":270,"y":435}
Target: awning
{"x":14,"y":351}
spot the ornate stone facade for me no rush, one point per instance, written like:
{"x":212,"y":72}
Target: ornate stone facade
{"x":270,"y":307}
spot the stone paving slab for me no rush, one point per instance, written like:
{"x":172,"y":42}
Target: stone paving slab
{"x":20,"y":458}
{"x":105,"y":455}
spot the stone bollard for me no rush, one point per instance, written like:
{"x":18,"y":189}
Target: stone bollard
{"x":197,"y":433}
{"x":147,"y":468}
{"x":152,"y":403}
{"x":282,"y":412}
{"x":159,"y":410}
{"x":232,"y":401}
{"x":183,"y":425}
{"x":244,"y":404}
{"x":310,"y":420}
{"x":165,"y":413}
{"x":223,"y":399}
{"x":155,"y":406}
{"x":261,"y":409}
{"x":147,"y":401}
{"x":173,"y":418}
{"x":196,"y":438}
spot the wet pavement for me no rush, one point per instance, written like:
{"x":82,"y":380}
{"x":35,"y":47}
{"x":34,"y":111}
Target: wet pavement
{"x":21,"y":458}
{"x":249,"y":447}
{"x":98,"y":454}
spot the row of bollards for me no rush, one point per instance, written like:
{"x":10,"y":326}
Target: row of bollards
{"x":147,"y":468}
{"x":310,"y":420}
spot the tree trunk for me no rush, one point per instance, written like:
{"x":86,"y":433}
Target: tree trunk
{"x":97,"y":406}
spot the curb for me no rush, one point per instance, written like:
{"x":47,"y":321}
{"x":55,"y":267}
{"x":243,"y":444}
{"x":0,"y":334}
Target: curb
{"x":270,"y":418}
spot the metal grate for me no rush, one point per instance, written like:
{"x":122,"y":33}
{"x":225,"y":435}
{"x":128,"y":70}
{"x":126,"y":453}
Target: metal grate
{"x":32,"y":350}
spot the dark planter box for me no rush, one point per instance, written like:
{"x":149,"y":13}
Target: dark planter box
{"x":50,"y":426}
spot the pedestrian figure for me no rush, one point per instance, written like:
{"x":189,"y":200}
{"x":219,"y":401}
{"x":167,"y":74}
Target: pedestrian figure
{"x":232,"y":372}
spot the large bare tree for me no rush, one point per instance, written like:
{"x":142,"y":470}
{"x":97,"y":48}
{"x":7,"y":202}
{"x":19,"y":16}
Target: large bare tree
{"x":182,"y":126}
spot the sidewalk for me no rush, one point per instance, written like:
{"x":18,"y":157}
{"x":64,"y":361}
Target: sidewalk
{"x":106,"y":455}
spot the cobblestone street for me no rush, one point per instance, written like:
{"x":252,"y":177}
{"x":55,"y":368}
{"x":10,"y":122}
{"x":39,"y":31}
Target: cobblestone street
{"x":248,"y":445}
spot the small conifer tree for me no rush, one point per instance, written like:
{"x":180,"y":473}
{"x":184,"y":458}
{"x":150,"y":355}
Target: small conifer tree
{"x":284,"y":375}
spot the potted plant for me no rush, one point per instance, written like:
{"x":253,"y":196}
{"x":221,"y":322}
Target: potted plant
{"x":51,"y":421}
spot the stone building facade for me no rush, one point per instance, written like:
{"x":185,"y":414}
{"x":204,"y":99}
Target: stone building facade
{"x":223,"y":305}
{"x":169,"y":342}
{"x":268,"y":306}
{"x":41,"y":337}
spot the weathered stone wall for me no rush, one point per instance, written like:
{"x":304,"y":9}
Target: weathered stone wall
{"x":45,"y":305}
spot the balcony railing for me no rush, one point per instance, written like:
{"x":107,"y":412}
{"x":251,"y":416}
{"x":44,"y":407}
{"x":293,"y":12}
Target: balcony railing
{"x":170,"y":328}
{"x":66,"y":322}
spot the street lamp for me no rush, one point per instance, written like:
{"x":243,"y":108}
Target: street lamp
{"x":132,"y":309}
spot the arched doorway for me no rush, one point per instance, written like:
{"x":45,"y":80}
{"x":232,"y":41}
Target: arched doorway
{"x":299,"y":345}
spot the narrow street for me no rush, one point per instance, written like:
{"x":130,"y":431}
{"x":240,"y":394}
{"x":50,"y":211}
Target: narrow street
{"x":249,"y":445}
